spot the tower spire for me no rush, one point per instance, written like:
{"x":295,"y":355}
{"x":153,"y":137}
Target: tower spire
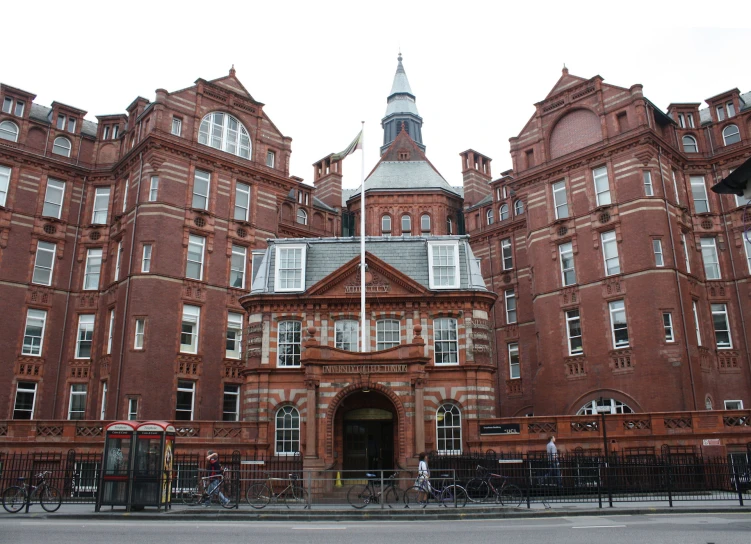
{"x":401,"y":110}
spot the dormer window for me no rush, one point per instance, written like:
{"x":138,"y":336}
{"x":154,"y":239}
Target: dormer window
{"x":690,"y":119}
{"x":115,"y":130}
{"x":443,"y":259}
{"x":106,"y":133}
{"x":681,"y":121}
{"x":71,"y":125}
{"x":224,"y":132}
{"x":290,"y":268}
{"x":60,"y":122}
{"x":731,"y":109}
{"x":8,"y":106}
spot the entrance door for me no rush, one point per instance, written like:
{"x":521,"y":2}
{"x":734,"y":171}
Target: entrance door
{"x":368,"y":445}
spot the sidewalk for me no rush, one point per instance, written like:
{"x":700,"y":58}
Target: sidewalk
{"x":345,"y":512}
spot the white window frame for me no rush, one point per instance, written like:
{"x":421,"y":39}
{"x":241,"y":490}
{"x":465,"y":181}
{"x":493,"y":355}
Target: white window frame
{"x":118,"y":260}
{"x":747,"y":243}
{"x":93,"y":271}
{"x":690,"y":119}
{"x":103,"y":407}
{"x":696,"y":322}
{"x":110,"y":331}
{"x":85,"y":335}
{"x":287,"y":435}
{"x":648,"y":187}
{"x":608,"y":240}
{"x":710,"y":258}
{"x":561,"y":208}
{"x":518,"y":207}
{"x":489,"y":216}
{"x":234,"y":336}
{"x":406,"y":219}
{"x":346,"y":334}
{"x":270,"y":158}
{"x":720,"y":112}
{"x":126,"y":183}
{"x":200,"y":200}
{"x":153,"y":188}
{"x":23,"y":388}
{"x":733,"y":404}
{"x":720,"y":312}
{"x":197,"y":242}
{"x":509,"y":304}
{"x":239,"y":257}
{"x":681,"y":121}
{"x":191,"y":316}
{"x":53,"y":208}
{"x":699,"y":194}
{"x":231,"y":396}
{"x":425,"y":223}
{"x":242,"y":190}
{"x":573,"y":318}
{"x":302,"y":216}
{"x":507,"y":254}
{"x":443,"y":268}
{"x":448,"y":423}
{"x":449,"y":226}
{"x":33,"y":343}
{"x":77,"y":390}
{"x":616,"y":307}
{"x":730,"y":108}
{"x":5,"y":172}
{"x":139,"y":333}
{"x":146,"y":258}
{"x":62,"y":146}
{"x":294,"y":280}
{"x":215,"y":131}
{"x":685,"y":253}
{"x":381,"y":334}
{"x":7,"y":104}
{"x":386,"y":225}
{"x":667,"y":325}
{"x":132,"y":408}
{"x":729,"y":135}
{"x":182,"y":387}
{"x":514,"y":361}
{"x":101,"y":206}
{"x":9,"y":131}
{"x":566,"y":252}
{"x":503,"y":212}
{"x":289,"y":337}
{"x":692,"y":146}
{"x":657,"y":250}
{"x":446,"y":341}
{"x":602,"y":196}
{"x":675,"y":188}
{"x":71,"y":125}
{"x":48,"y":249}
{"x":177,"y":126}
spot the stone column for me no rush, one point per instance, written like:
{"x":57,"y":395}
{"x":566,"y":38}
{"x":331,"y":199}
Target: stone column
{"x":311,"y":446}
{"x":419,"y":415}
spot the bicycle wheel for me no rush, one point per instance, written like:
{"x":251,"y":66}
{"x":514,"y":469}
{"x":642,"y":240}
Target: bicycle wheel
{"x":50,"y":498}
{"x":391,"y":497}
{"x":511,"y":496}
{"x":191,"y":496}
{"x":415,"y":497}
{"x":14,"y":498}
{"x":230,"y":493}
{"x":258,"y":495}
{"x":297,"y":496}
{"x":454,"y":494}
{"x":477,"y":490}
{"x":359,"y":495}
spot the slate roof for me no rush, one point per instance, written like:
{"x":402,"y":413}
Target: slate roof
{"x":42,"y":114}
{"x":405,"y":175}
{"x":407,"y":255}
{"x":401,"y":99}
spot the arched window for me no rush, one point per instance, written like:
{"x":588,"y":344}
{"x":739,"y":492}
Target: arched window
{"x":448,"y":426}
{"x":222,"y":131}
{"x":302,"y":216}
{"x":689,"y":144}
{"x":287,"y":431}
{"x":731,"y":134}
{"x":489,"y":216}
{"x":9,"y":131}
{"x":61,"y":146}
{"x":425,"y":223}
{"x":503,"y":212}
{"x":518,"y":207}
{"x":386,"y":225}
{"x":406,"y":225}
{"x":449,"y":226}
{"x":708,"y":403}
{"x":615,"y":406}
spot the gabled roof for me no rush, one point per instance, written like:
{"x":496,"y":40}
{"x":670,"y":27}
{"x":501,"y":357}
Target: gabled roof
{"x":564,"y":82}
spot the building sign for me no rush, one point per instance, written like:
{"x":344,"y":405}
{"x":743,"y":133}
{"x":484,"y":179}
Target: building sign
{"x":711,"y":442}
{"x":505,"y":428}
{"x":364,"y":369}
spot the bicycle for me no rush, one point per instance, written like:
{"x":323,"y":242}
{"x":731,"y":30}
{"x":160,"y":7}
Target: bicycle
{"x":15,"y":497}
{"x":260,"y":494}
{"x":199,"y":493}
{"x":445,"y":496}
{"x":480,"y":488}
{"x":361,"y":495}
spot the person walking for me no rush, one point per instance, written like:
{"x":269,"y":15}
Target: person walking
{"x":554,"y":471}
{"x":423,"y":478}
{"x":214,"y":469}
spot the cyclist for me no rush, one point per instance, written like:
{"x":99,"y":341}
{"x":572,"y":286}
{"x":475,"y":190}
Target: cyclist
{"x":214,"y":469}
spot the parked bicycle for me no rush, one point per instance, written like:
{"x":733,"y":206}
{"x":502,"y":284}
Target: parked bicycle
{"x":361,"y":495}
{"x":199,"y":494}
{"x":291,"y":494}
{"x":419,"y":496}
{"x":15,"y":497}
{"x":486,"y":483}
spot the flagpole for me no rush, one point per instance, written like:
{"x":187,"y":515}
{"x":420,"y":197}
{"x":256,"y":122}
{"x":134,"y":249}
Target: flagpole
{"x":363,"y":323}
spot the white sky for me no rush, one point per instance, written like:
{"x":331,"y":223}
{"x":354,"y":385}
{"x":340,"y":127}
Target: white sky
{"x":321,"y":67}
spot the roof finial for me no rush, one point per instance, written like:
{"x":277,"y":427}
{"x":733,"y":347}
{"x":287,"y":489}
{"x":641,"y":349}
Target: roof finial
{"x":565,"y":70}
{"x":399,"y":58}
{"x":232,"y":70}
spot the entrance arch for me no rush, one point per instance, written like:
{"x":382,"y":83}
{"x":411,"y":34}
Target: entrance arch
{"x":366,"y":428}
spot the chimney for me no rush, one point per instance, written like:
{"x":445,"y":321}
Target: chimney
{"x":475,"y":176}
{"x":327,"y":181}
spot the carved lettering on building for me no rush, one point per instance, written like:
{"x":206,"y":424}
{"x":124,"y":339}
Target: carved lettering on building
{"x":481,"y":349}
{"x":479,"y":336}
{"x":364,"y":369}
{"x":368,"y":288}
{"x":480,"y":324}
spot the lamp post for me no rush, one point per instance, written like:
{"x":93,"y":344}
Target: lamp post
{"x":602,"y":410}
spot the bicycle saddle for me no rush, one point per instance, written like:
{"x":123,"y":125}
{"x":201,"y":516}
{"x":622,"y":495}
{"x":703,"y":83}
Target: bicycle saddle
{"x":370,"y":475}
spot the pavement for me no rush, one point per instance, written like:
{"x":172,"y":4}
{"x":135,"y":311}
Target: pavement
{"x":344,"y":512}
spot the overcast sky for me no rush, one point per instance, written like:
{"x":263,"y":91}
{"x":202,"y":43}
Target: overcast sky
{"x":321,"y":67}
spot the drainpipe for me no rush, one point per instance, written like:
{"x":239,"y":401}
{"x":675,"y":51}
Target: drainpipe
{"x":67,"y":294}
{"x":735,"y":277}
{"x":127,"y":285}
{"x":677,"y":276}
{"x":495,"y":328}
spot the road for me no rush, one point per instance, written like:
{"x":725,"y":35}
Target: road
{"x":643,"y":529}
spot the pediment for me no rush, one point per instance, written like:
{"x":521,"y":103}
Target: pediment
{"x":381,"y":279}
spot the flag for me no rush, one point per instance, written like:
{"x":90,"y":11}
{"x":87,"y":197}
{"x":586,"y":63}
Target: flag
{"x":351,"y":148}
